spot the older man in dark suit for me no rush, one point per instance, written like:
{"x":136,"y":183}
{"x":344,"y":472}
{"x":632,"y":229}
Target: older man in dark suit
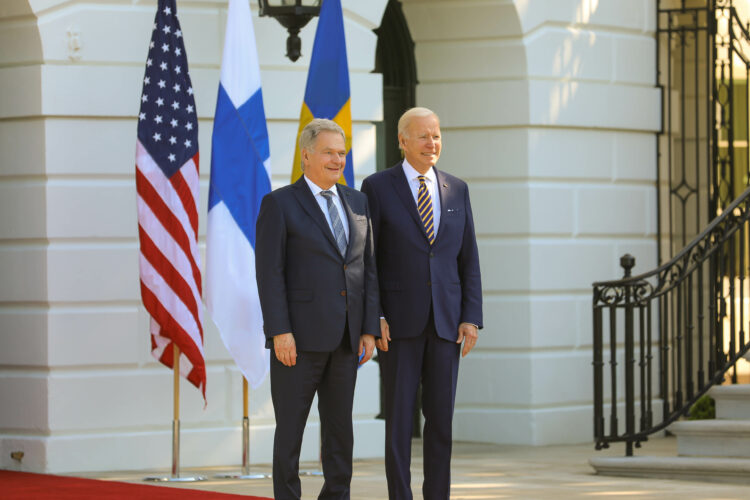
{"x":318,"y":291}
{"x":431,"y":299}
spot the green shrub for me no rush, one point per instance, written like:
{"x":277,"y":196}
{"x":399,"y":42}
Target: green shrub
{"x":703,"y":409}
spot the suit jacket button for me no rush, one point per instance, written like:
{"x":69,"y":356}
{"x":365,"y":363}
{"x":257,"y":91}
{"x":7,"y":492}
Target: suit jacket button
{"x":344,"y":267}
{"x":343,"y":293}
{"x":429,"y":283}
{"x":432,"y":254}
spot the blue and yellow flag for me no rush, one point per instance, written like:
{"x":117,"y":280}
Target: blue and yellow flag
{"x":327,"y":90}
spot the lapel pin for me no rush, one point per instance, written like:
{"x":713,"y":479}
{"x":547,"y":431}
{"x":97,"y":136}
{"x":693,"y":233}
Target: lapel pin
{"x":445,"y":185}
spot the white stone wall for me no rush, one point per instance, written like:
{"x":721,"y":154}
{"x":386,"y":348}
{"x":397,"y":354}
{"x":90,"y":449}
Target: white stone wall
{"x":78,"y":387}
{"x":548,"y":109}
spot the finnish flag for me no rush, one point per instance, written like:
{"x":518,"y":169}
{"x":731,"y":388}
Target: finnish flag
{"x":240,"y":177}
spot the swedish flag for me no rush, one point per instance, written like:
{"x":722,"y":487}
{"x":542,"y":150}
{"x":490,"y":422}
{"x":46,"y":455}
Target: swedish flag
{"x":327,"y":90}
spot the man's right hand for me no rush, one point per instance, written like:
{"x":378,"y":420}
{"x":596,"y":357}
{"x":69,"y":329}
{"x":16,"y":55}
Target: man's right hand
{"x":385,"y":336}
{"x":285,"y":349}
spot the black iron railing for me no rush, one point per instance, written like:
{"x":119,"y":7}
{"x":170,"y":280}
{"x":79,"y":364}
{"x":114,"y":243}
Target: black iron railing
{"x":703,"y":66}
{"x":670,"y":334}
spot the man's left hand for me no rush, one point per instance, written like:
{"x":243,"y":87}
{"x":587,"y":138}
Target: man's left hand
{"x":366,"y":345}
{"x":467,"y":333}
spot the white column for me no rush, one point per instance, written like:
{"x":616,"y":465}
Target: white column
{"x":548,"y":110}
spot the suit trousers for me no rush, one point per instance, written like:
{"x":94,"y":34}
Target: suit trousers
{"x":332,"y":375}
{"x":434,"y":361}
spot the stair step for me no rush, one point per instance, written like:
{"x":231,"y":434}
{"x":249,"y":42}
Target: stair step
{"x":718,"y":470}
{"x":712,"y":438}
{"x":732,"y":401}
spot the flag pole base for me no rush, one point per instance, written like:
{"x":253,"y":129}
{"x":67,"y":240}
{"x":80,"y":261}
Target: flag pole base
{"x":310,"y":473}
{"x":170,"y":479}
{"x":240,"y":475}
{"x":175,"y":476}
{"x":245,"y":472}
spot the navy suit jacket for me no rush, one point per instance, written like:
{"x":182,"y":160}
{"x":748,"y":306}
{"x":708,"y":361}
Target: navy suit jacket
{"x":414,"y":275}
{"x":306,"y":287}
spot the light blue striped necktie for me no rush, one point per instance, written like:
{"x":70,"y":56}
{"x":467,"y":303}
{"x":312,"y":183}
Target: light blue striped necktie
{"x":424,"y":206}
{"x":338,"y":226}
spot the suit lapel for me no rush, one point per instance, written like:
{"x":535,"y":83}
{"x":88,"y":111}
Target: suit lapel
{"x":309,"y":205}
{"x":346,"y":201}
{"x":401,"y":186}
{"x":444,"y":192}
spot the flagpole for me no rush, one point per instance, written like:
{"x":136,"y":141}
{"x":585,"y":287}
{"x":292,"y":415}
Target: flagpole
{"x":245,"y":430}
{"x":175,"y":476}
{"x":245,"y":472}
{"x":319,"y":470}
{"x":175,"y":410}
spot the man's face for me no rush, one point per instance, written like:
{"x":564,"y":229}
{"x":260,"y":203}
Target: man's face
{"x":421,"y":142}
{"x":324,"y":162}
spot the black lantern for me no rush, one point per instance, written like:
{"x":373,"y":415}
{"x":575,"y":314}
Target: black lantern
{"x":293,"y":15}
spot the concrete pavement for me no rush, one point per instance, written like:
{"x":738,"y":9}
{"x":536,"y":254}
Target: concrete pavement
{"x":486,"y":471}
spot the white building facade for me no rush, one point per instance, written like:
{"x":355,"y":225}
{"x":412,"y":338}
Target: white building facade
{"x":548,"y":110}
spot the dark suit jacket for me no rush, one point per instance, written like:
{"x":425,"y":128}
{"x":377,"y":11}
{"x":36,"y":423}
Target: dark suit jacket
{"x":306,"y":287}
{"x":412,"y":275}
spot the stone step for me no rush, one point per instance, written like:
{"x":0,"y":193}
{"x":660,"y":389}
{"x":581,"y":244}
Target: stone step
{"x":719,"y":470}
{"x":732,"y":401}
{"x":712,"y":438}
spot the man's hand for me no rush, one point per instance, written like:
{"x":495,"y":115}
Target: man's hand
{"x":385,"y":335}
{"x":285,"y":349}
{"x":467,"y":333}
{"x":366,"y":345}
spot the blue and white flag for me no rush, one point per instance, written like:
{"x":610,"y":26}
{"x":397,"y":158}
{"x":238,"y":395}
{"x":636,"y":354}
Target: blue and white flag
{"x":240,"y":177}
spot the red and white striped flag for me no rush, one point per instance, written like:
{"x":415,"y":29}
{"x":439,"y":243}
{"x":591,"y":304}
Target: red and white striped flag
{"x":167,"y":184}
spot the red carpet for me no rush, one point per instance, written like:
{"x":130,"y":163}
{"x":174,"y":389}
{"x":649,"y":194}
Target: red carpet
{"x":27,"y":486}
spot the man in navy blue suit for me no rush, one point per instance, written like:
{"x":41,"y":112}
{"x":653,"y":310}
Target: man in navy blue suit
{"x":430,"y":297}
{"x":315,"y":268}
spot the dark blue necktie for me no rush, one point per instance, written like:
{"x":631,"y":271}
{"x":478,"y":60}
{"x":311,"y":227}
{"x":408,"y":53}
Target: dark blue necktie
{"x":338,"y":226}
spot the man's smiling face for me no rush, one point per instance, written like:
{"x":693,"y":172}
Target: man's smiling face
{"x":421,"y":142}
{"x":325,"y":161}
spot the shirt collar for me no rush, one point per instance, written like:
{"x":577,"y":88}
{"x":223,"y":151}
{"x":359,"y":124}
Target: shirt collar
{"x":317,"y":189}
{"x":412,"y":174}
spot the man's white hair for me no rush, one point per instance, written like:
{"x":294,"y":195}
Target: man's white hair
{"x":405,"y":120}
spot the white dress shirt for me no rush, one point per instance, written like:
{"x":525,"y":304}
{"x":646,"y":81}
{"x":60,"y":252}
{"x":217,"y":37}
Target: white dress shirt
{"x":431,"y":182}
{"x":323,"y":204}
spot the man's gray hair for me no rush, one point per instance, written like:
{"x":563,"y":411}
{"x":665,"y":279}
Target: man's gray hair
{"x":405,"y":120}
{"x":312,"y":130}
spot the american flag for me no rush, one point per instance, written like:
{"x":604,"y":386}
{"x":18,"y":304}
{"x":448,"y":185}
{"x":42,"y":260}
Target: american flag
{"x":167,"y":185}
